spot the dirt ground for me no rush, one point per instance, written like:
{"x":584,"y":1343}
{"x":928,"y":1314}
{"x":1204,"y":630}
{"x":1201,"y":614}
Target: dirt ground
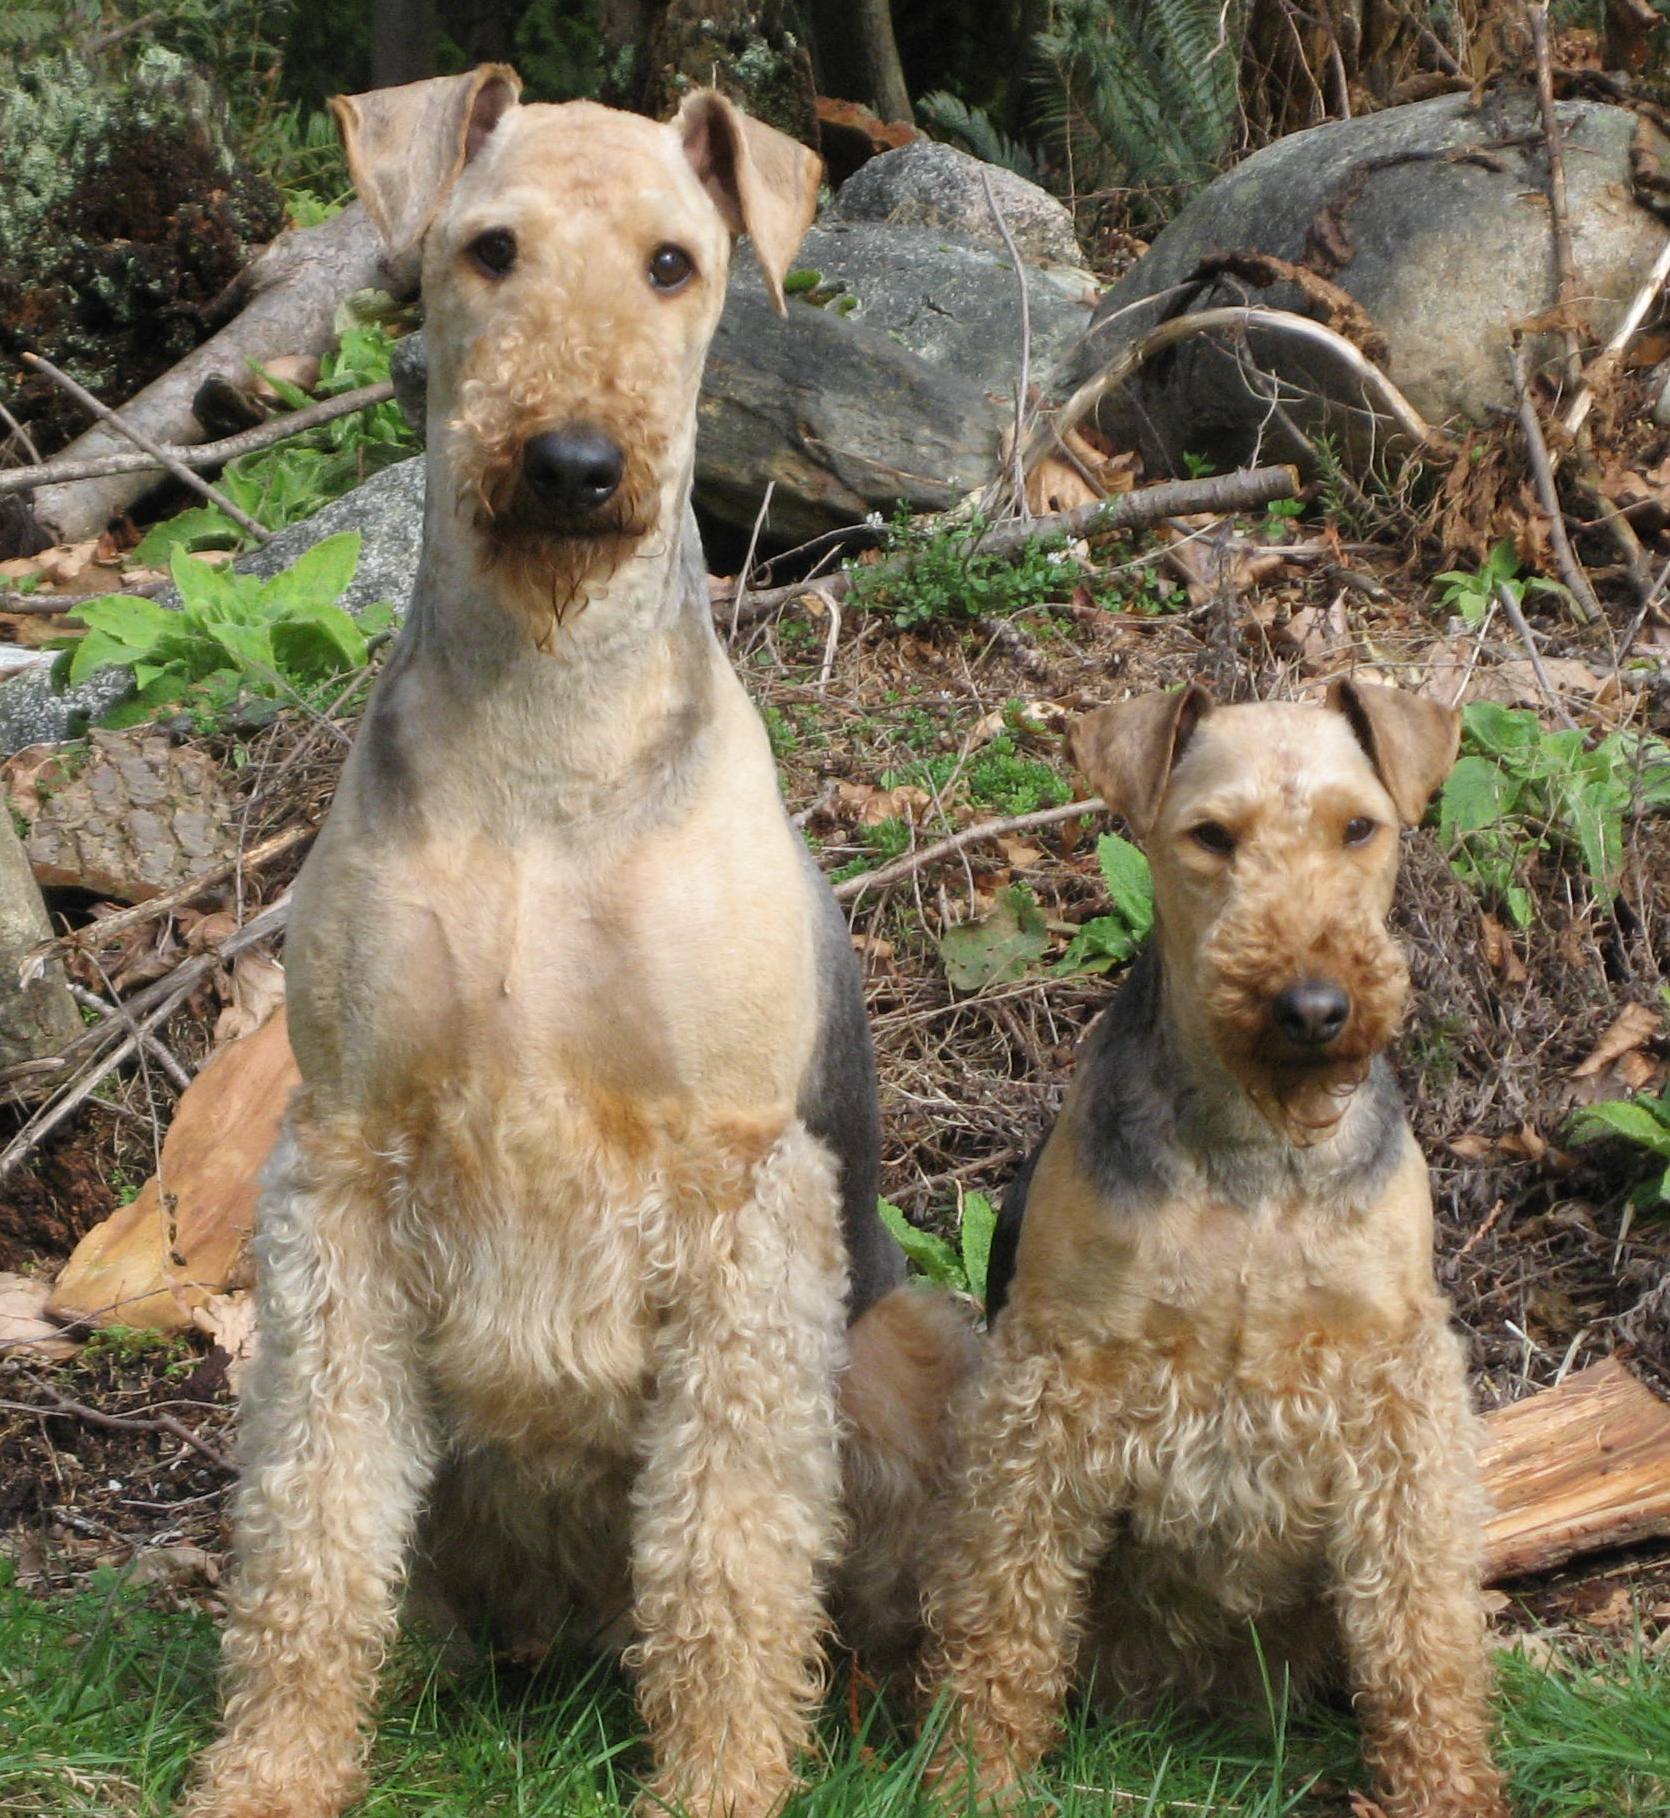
{"x":1545,"y":1273}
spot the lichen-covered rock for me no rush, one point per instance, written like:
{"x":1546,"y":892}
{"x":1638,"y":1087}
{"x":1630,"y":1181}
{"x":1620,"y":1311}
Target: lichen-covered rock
{"x":928,"y":184}
{"x":123,"y":213}
{"x":747,"y":49}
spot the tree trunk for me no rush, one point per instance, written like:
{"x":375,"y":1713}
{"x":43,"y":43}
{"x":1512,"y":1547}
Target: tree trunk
{"x":402,"y":41}
{"x":858,"y":57}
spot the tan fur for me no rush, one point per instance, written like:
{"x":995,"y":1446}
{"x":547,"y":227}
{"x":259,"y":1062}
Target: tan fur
{"x":1206,"y":1412}
{"x":552,"y":1272}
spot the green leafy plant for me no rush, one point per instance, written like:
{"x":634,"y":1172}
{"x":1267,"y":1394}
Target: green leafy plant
{"x":233,"y":635}
{"x":937,"y":572}
{"x":1000,"y":946}
{"x":1111,"y":939}
{"x":283,"y":485}
{"x":963,"y":1269}
{"x":1471,"y":595}
{"x":1519,"y":791}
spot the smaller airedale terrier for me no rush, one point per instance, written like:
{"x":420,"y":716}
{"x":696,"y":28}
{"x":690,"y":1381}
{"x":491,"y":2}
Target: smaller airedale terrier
{"x":1222,"y":1415}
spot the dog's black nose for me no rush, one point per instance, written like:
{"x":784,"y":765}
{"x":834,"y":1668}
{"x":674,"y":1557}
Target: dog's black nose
{"x":574,"y":470}
{"x":1312,"y":1013}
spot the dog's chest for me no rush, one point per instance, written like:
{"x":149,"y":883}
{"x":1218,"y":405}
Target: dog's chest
{"x":524,"y":1231}
{"x":680,"y":965}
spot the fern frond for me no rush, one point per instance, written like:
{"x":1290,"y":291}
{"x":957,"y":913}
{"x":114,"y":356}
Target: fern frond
{"x":1143,"y":95}
{"x":971,"y":128}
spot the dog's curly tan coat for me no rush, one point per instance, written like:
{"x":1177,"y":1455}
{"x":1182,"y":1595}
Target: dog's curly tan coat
{"x":554,"y":1257}
{"x":1223,"y":1395}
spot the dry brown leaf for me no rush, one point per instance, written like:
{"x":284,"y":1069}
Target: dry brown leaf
{"x":1499,"y":951}
{"x":25,"y":1331}
{"x":865,"y":805}
{"x":1633,"y":1025}
{"x":257,"y":991}
{"x":229,"y":1320}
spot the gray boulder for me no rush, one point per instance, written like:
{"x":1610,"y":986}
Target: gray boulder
{"x":387,"y":511}
{"x":927,"y":184}
{"x":892,"y":379}
{"x":1433,"y":217}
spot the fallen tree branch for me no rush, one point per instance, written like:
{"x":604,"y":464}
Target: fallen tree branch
{"x":984,"y":830}
{"x":199,"y":455}
{"x":1381,"y":392}
{"x":1586,"y":605}
{"x":1573,"y":1469}
{"x":140,"y":440}
{"x":62,"y":1407}
{"x":286,"y":301}
{"x":1244,"y":490}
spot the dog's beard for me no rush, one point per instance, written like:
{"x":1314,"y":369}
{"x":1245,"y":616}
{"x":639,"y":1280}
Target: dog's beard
{"x":551,"y":566}
{"x":1302,"y":1093}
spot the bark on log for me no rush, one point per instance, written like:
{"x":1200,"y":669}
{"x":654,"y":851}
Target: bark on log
{"x":1574,"y":1469}
{"x":293,"y":290}
{"x":38,"y":1018}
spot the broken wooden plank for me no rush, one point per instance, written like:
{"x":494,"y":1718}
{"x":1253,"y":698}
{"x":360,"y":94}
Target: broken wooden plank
{"x":1576,"y":1468}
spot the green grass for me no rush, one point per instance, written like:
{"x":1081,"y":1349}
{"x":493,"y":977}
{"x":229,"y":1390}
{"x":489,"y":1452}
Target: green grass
{"x":104,"y":1701}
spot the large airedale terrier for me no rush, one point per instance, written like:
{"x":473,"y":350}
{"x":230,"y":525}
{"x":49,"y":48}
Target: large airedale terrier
{"x":577,"y":1202}
{"x":1221,"y":1396}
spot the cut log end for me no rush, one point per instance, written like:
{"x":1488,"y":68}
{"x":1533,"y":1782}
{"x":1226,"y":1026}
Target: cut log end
{"x":1574,"y":1469}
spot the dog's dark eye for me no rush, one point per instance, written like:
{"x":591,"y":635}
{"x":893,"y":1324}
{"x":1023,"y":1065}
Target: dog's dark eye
{"x":670,"y":267}
{"x":1360,"y":831}
{"x":1215,"y":837}
{"x":494,"y":251}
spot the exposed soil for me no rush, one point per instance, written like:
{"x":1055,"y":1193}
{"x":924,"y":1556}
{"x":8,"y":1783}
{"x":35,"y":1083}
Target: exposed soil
{"x":1533,"y":1245}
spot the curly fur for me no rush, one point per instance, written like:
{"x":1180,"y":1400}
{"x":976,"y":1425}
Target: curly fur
{"x":1221,"y":1429}
{"x":411,"y":1327}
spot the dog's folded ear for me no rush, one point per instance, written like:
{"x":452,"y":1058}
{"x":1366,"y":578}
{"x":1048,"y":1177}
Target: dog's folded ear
{"x":1128,"y":750}
{"x":763,"y":183}
{"x":1410,"y":740}
{"x":406,"y":146}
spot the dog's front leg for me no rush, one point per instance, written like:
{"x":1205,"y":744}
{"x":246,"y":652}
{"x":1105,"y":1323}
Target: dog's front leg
{"x":735,"y":1506}
{"x":1406,"y":1585}
{"x":337,"y":1450}
{"x":1035,"y":1485}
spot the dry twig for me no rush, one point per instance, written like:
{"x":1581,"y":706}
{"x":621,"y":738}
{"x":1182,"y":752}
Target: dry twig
{"x":984,"y":830}
{"x":61,"y":1406}
{"x":1565,"y":292}
{"x":1381,"y":393}
{"x":1244,"y":490}
{"x":1023,"y":382}
{"x":198,"y":454}
{"x":178,"y":468}
{"x":98,"y":933}
{"x":1586,"y":605}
